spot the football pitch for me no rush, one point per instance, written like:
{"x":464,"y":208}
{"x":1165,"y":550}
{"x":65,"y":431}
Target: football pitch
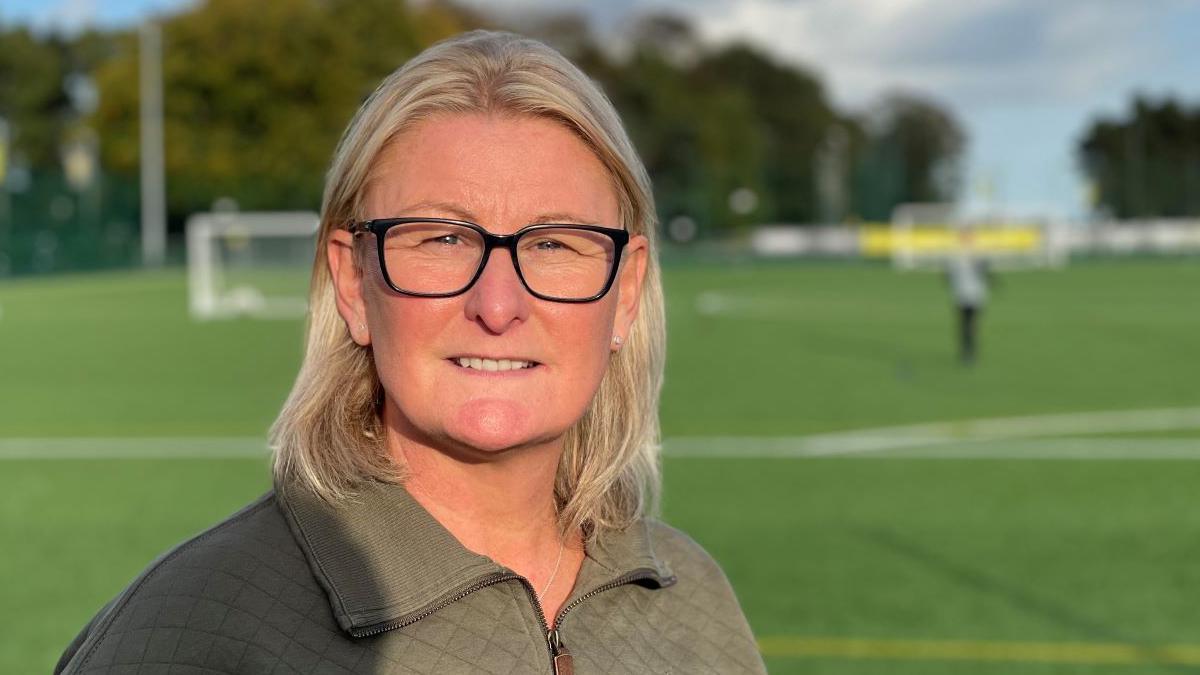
{"x":879,"y":507}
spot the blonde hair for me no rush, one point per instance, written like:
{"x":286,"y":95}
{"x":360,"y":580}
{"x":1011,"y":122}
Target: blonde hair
{"x":329,"y":435}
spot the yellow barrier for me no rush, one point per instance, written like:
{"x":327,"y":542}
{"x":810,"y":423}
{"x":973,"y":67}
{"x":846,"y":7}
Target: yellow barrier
{"x":885,"y":241}
{"x":980,"y":651}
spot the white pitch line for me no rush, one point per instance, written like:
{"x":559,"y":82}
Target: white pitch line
{"x":716,"y":303}
{"x":939,"y":433}
{"x":1031,"y":437}
{"x":199,"y":447}
{"x":1057,"y":449}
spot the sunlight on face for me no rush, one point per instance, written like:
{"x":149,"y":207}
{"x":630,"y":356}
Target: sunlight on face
{"x":493,"y":368}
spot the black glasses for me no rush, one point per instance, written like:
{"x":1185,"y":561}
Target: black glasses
{"x":440,"y":258}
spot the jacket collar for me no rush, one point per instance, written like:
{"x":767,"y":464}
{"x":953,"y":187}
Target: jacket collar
{"x":384,"y":561}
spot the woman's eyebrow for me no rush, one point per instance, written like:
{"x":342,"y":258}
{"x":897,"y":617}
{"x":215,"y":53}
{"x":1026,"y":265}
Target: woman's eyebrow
{"x":423,"y":207}
{"x":561,"y":217}
{"x":463,"y":213}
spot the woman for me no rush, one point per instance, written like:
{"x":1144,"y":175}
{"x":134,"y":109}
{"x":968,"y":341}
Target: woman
{"x":466,"y":466}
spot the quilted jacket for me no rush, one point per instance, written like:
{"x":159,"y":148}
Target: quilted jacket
{"x":292,"y":584}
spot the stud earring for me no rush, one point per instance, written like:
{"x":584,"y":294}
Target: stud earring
{"x":617,"y":340}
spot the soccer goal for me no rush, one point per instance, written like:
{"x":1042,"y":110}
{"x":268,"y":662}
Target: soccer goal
{"x":924,"y":236}
{"x":254,"y":264}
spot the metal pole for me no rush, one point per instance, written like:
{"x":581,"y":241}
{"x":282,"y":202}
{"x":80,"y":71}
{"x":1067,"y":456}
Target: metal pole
{"x":154,"y":200}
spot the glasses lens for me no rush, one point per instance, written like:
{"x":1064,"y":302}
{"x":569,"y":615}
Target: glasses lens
{"x":566,"y":263}
{"x":431,"y":257}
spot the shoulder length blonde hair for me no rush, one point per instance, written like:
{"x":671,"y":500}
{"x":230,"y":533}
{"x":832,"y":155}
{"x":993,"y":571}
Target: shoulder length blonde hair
{"x":329,"y":435}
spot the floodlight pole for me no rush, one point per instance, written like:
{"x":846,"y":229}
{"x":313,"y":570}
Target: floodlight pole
{"x":5,"y":199}
{"x":154,"y":200}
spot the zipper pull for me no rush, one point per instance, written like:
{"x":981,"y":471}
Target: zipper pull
{"x":563,"y":665}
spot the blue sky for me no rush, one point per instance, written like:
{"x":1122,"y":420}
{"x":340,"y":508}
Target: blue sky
{"x":1024,"y":77}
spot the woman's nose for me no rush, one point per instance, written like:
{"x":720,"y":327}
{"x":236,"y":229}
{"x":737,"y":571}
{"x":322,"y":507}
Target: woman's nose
{"x":498,"y":300}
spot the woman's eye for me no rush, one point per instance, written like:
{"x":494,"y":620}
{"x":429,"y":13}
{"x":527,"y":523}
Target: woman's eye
{"x":549,"y":245}
{"x":449,"y":239}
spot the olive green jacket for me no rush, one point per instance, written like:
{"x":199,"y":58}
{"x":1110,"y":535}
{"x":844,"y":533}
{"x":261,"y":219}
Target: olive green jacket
{"x":292,"y":584}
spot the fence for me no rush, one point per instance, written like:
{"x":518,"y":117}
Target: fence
{"x":46,"y":226}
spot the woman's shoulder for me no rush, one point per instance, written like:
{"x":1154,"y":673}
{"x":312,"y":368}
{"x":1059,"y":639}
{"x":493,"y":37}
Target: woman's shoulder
{"x":684,"y":562}
{"x":683,"y":554}
{"x":689,"y":592}
{"x":240,"y":574}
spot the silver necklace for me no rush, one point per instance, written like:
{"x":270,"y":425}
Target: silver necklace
{"x":561,"y":544}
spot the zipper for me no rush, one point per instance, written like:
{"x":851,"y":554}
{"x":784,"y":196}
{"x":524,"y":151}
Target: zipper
{"x":561,"y":662}
{"x":560,"y":657}
{"x":492,"y":580}
{"x":630,"y":577}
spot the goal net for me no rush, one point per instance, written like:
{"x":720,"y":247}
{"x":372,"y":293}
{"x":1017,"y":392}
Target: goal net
{"x":250,"y":264}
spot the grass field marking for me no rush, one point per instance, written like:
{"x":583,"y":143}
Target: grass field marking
{"x":724,"y":304}
{"x":1023,"y":437}
{"x":1067,"y":448}
{"x":184,"y":447}
{"x":1081,"y":653}
{"x":1087,"y":448}
{"x":938,"y":433}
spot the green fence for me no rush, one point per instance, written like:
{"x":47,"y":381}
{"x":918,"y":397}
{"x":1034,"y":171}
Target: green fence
{"x":46,"y":226}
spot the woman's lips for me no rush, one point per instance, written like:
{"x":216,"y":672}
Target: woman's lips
{"x":492,"y":365}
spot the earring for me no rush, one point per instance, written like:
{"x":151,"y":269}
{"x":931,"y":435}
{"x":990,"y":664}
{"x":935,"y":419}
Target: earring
{"x":617,"y":340}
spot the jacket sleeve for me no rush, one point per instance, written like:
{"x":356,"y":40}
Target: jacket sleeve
{"x":73,"y":648}
{"x":743,"y":649}
{"x":703,"y":588}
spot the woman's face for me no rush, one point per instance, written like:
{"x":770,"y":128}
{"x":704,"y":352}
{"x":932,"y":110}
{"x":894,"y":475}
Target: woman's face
{"x":503,"y":173}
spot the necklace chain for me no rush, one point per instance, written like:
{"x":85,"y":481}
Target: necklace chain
{"x":561,"y":544}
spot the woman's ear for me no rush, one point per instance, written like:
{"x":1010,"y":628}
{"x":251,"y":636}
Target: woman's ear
{"x":629,"y":287}
{"x":348,"y":284}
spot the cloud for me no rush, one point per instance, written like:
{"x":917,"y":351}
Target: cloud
{"x":1023,"y":76}
{"x":983,"y":51}
{"x":980,"y":52}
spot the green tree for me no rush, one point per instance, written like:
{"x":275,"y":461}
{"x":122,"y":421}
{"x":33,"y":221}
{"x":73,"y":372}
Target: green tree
{"x":698,"y":144}
{"x":1146,"y":164}
{"x":257,"y":94}
{"x":911,"y":151}
{"x":33,"y":70}
{"x":709,"y":124}
{"x":789,"y":115}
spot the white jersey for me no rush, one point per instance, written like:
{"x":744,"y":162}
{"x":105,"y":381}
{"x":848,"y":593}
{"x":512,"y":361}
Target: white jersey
{"x":968,"y":279}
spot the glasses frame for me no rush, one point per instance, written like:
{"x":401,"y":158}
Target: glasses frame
{"x":380,"y":226}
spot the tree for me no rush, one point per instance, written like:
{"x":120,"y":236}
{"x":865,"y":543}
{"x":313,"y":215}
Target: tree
{"x":697,"y":143}
{"x":1146,"y":164}
{"x":33,"y":70}
{"x":790,"y":116}
{"x":911,"y":151}
{"x":709,"y":124}
{"x":257,"y":94}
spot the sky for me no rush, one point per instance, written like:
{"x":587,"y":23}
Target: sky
{"x":1023,"y":77}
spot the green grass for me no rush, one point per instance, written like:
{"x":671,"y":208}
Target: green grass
{"x":825,"y":347}
{"x":862,"y":547}
{"x":812,"y":348}
{"x":76,"y":532}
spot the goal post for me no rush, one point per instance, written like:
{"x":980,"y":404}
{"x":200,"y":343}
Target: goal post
{"x":924,"y":236}
{"x":253,"y":264}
